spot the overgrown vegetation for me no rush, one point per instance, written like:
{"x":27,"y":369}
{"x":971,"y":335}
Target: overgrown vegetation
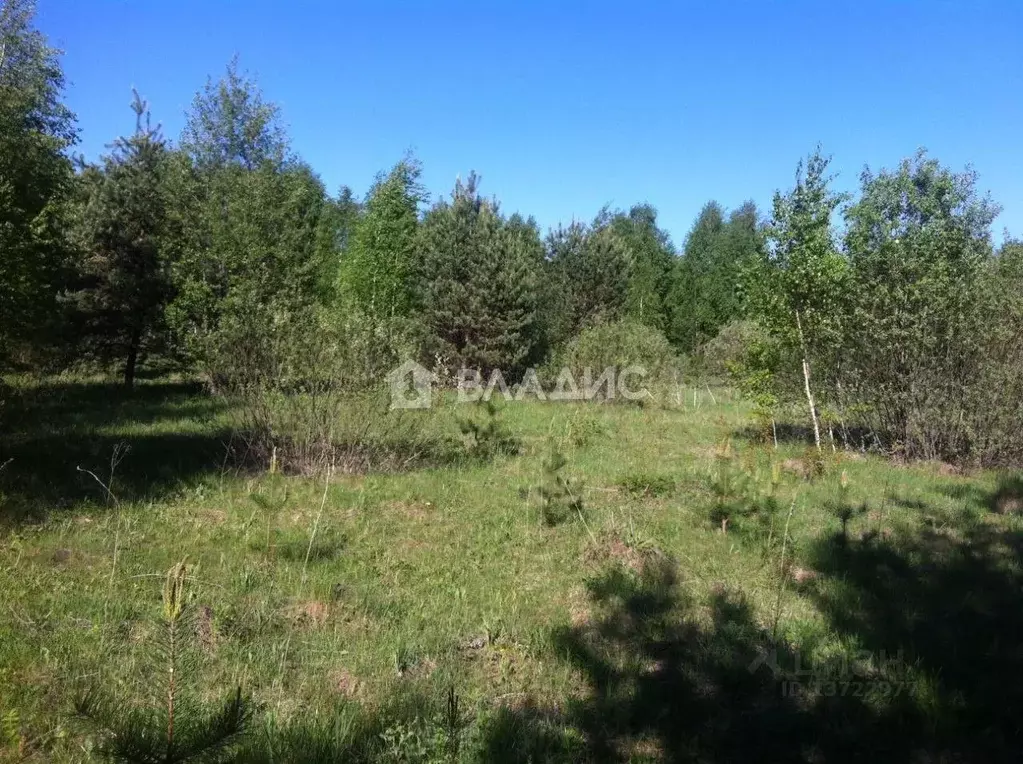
{"x":347,"y":607}
{"x":894,"y":336}
{"x":222,"y":254}
{"x":197,"y":343}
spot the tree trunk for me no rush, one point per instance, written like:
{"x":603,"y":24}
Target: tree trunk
{"x":806,"y":381}
{"x":130,"y":362}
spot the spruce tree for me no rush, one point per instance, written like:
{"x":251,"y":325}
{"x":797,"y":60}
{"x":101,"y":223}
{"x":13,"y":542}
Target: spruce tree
{"x":124,"y":284}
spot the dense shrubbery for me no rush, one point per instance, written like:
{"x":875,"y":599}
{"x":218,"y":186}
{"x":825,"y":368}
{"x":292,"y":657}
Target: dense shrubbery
{"x":619,"y":345}
{"x":907,"y":332}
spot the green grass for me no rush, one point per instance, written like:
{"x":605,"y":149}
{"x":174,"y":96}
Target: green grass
{"x":625,"y":631}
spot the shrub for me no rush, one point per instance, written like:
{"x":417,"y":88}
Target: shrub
{"x":306,"y":394}
{"x":583,"y":428}
{"x":618,"y":345}
{"x":488,"y":437}
{"x":730,"y":349}
{"x":909,"y":333}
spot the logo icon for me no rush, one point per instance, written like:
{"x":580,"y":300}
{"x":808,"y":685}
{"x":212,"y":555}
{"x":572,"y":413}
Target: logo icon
{"x":411,"y":386}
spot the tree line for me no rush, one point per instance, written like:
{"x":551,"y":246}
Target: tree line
{"x":893,"y":314}
{"x":179,"y":249}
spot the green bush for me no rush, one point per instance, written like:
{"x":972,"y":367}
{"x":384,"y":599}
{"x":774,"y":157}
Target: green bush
{"x":730,"y":349}
{"x":619,"y":345}
{"x":308,"y":392}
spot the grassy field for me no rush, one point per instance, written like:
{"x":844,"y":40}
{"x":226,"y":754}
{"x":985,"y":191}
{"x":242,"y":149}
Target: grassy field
{"x":684,"y":594}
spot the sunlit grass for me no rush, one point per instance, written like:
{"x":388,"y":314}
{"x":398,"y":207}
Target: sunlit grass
{"x":413,"y":582}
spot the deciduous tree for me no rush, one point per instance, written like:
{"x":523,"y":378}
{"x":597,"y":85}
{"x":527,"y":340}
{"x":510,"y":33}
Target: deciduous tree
{"x":801,"y":282}
{"x":36,"y":177}
{"x":377,"y":266}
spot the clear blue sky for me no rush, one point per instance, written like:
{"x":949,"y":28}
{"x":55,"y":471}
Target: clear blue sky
{"x":563,"y":107}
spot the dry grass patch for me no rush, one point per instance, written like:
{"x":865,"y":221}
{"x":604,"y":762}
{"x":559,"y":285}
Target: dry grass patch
{"x":346,"y":684}
{"x":612,"y":549}
{"x":411,"y":509}
{"x":309,"y":614}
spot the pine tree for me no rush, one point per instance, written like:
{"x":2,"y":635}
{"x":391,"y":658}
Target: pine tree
{"x":124,"y":283}
{"x":257,"y":236}
{"x":691,"y":318}
{"x":526,"y":239}
{"x":706,"y":291}
{"x":588,"y":276}
{"x":478,"y":284}
{"x":179,"y":725}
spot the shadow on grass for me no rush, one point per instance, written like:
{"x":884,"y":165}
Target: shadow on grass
{"x":927,"y":666}
{"x":1006,"y":499}
{"x":952,"y":599}
{"x":151,"y":439}
{"x":665,"y":687}
{"x":53,"y":404}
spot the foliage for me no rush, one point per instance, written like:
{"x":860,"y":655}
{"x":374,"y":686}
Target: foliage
{"x":923,"y":309}
{"x":539,"y":337}
{"x":36,"y":130}
{"x":705,"y":289}
{"x":587,"y":277}
{"x":795,"y":289}
{"x":651,"y":257}
{"x":224,"y":254}
{"x":730,"y":486}
{"x":123,"y":284}
{"x":907,"y":328}
{"x":302,"y":400}
{"x":253,"y":227}
{"x":617,"y":346}
{"x":173,"y":729}
{"x":378,"y":262}
{"x":803,"y":273}
{"x":231,"y":125}
{"x":478,"y":285}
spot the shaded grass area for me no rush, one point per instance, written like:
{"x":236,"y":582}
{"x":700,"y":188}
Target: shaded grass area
{"x":142,"y":443}
{"x":878,"y":621}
